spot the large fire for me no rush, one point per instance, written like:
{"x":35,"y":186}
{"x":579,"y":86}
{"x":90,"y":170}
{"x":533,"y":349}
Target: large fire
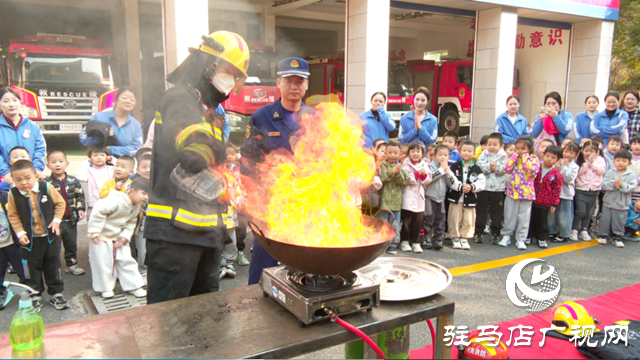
{"x":312,"y":195}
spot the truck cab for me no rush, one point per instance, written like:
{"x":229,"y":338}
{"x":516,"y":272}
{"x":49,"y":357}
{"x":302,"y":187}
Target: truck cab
{"x":63,"y":80}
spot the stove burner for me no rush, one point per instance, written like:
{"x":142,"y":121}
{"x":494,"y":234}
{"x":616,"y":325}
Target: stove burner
{"x":321,"y":282}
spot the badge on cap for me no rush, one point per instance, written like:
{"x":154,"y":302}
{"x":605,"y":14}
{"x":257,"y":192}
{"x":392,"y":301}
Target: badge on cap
{"x":26,"y":134}
{"x":294,"y":63}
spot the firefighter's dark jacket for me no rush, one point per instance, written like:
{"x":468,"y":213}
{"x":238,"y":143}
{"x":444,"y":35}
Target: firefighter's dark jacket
{"x":184,"y":136}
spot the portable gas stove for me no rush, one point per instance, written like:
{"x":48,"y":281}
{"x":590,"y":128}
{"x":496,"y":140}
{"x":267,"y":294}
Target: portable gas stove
{"x":306,"y":295}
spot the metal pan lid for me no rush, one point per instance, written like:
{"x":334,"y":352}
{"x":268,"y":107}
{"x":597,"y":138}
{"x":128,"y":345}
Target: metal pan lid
{"x":407,"y":279}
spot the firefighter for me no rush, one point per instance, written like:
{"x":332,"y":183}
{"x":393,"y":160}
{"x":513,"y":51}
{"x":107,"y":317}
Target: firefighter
{"x":271,"y":129}
{"x":186,"y":228}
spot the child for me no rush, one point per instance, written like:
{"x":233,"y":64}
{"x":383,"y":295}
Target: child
{"x":599,"y":140}
{"x":542,"y":147}
{"x":143,"y":171}
{"x":613,"y":146}
{"x":565,"y":142}
{"x":635,"y":164}
{"x":561,"y":220}
{"x":482,"y":147}
{"x":491,"y":200}
{"x":393,"y":178}
{"x":430,"y":152}
{"x":412,"y":212}
{"x":510,"y":149}
{"x":632,"y":225}
{"x":38,"y":231}
{"x":404,"y":152}
{"x":121,"y":172}
{"x":18,"y":153}
{"x":9,"y":247}
{"x":110,"y":228}
{"x":588,"y":183}
{"x":378,"y":154}
{"x":618,"y":183}
{"x":143,"y":152}
{"x":71,"y":190}
{"x":95,"y":172}
{"x":468,"y":181}
{"x":435,"y":194}
{"x":548,"y":186}
{"x":449,"y":139}
{"x":234,"y":197}
{"x":523,"y":167}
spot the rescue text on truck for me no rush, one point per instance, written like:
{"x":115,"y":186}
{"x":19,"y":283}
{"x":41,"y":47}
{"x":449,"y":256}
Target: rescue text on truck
{"x":63,"y":79}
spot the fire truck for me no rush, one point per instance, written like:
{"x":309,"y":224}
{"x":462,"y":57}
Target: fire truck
{"x":450,"y":84}
{"x":259,"y":89}
{"x":63,"y":80}
{"x":327,"y":77}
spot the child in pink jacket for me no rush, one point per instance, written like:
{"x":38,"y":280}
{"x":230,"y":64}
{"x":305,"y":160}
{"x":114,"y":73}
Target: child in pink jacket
{"x":523,"y":166}
{"x":588,"y":184}
{"x":95,"y":172}
{"x":413,"y":197}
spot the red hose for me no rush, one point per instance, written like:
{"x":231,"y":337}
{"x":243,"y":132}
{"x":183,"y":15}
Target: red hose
{"x":356,"y":331}
{"x":433,"y":339}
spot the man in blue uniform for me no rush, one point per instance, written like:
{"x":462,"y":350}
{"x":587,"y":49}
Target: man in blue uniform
{"x":270,"y":129}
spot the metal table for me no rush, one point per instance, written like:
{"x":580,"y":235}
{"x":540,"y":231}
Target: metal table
{"x":236,"y":323}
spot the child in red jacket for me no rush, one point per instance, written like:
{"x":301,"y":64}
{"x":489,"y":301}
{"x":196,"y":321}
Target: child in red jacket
{"x":548,"y":185}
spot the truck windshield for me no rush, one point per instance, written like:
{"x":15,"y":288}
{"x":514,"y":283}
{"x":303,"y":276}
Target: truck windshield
{"x":400,"y":78}
{"x":260,"y":70}
{"x":59,"y":70}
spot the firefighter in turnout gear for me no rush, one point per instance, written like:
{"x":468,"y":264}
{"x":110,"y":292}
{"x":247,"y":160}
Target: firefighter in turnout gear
{"x":186,"y":227}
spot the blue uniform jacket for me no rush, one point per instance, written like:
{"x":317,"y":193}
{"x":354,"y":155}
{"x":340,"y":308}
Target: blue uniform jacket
{"x":374,"y":129}
{"x":511,"y":130}
{"x":603,"y":126}
{"x":227,"y":126}
{"x":563,"y":122}
{"x":454,"y":157}
{"x":27,"y":135}
{"x":582,"y":127}
{"x":129,"y":135}
{"x":408,"y":133}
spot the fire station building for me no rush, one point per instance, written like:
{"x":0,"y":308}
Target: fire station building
{"x":511,"y":46}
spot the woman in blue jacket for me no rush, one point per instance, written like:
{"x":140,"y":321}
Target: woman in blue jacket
{"x":582,"y":128}
{"x":17,"y":130}
{"x":552,"y":122}
{"x":419,"y":124}
{"x":376,"y":122}
{"x":125,"y":127}
{"x":511,"y":124}
{"x":612,"y":121}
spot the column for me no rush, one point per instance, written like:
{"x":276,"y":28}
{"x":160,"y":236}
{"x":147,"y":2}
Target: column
{"x":494,"y":63}
{"x":183,"y":27}
{"x":134,"y":63}
{"x":589,"y":63}
{"x":268,"y":27}
{"x":367,"y":51}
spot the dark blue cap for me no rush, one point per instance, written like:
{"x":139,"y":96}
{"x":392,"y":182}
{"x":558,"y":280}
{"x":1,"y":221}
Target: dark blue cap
{"x":293,"y":66}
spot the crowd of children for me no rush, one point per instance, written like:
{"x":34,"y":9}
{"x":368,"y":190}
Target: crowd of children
{"x":40,"y":217}
{"x":515,"y":192}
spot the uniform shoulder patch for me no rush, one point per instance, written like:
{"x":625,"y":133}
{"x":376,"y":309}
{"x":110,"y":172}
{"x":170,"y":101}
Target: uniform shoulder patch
{"x":248,"y":131}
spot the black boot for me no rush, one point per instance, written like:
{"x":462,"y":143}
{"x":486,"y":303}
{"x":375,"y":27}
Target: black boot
{"x":437,"y":244}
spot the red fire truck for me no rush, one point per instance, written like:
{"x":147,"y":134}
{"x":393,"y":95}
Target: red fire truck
{"x":450,"y":84}
{"x":327,"y":77}
{"x":63,"y":80}
{"x":260,"y":89}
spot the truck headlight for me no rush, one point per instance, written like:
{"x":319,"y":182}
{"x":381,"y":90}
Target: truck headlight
{"x":29,"y":112}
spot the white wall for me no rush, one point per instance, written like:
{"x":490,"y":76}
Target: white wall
{"x":542,"y":69}
{"x":454,"y":39}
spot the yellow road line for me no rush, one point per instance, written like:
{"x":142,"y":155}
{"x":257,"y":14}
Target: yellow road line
{"x":516,"y":259}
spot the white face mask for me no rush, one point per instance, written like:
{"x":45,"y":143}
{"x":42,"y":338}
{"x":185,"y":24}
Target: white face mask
{"x":223,"y":82}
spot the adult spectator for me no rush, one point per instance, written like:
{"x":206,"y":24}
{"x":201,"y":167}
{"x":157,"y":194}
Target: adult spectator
{"x":186,"y":226}
{"x":376,"y":122}
{"x":17,"y":130}
{"x":552,"y":122}
{"x":271,"y":129}
{"x":612,"y":121}
{"x":630,"y":105}
{"x":511,"y":124}
{"x":583,"y":120}
{"x":123,"y":125}
{"x":418,"y":124}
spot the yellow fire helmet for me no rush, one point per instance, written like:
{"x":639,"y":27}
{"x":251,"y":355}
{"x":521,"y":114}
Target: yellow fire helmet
{"x":229,"y":47}
{"x":570,"y":313}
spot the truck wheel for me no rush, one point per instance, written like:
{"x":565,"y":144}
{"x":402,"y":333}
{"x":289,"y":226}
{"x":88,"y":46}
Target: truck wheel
{"x":449,"y":121}
{"x":393,"y":134}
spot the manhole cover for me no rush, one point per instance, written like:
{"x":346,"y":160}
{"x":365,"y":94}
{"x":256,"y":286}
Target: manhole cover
{"x":120,"y":301}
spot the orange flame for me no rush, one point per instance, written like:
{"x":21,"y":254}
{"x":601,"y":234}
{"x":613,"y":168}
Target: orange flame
{"x":312,"y":195}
